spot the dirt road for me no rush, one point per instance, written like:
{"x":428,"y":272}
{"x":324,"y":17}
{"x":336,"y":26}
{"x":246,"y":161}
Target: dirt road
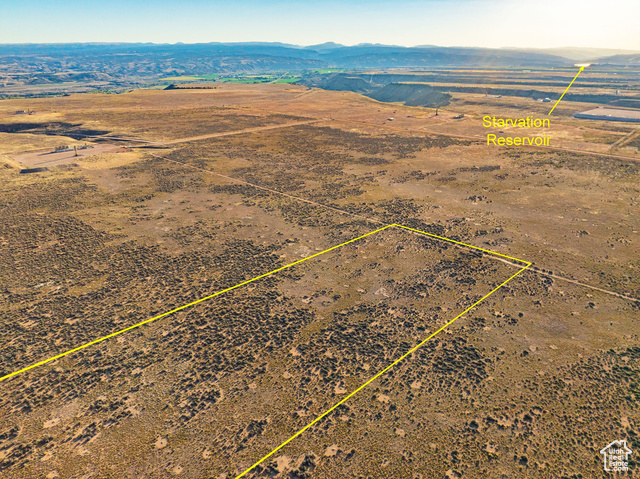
{"x":238,"y":132}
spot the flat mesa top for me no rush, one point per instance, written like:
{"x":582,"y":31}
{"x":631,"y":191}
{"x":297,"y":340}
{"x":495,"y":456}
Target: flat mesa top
{"x":615,"y":112}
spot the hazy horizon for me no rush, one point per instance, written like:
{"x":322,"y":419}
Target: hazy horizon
{"x":562,"y":47}
{"x":471,"y":23}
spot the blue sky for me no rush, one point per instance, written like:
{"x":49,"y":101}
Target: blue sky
{"x":483,"y":23}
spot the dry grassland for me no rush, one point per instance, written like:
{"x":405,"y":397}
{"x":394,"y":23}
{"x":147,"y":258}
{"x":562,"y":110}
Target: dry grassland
{"x":544,"y":365}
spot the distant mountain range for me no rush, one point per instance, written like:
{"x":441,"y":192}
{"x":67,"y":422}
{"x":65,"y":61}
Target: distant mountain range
{"x":126,"y":62}
{"x":627,"y":60}
{"x":205,"y":58}
{"x":581,"y":54}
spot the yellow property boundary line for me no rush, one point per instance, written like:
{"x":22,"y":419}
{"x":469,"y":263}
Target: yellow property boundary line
{"x":411,"y":351}
{"x":41,"y":363}
{"x":419,"y":345}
